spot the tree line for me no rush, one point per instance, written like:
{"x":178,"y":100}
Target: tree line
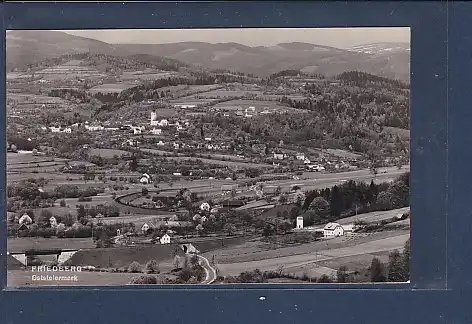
{"x":339,"y":201}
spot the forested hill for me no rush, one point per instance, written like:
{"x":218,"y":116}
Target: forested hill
{"x":362,"y":79}
{"x":358,"y":100}
{"x":107,"y":63}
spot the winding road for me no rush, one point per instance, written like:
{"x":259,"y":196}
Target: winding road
{"x":210,"y":272}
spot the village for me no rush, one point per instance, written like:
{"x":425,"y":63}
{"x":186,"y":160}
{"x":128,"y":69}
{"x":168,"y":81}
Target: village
{"x":162,"y":172}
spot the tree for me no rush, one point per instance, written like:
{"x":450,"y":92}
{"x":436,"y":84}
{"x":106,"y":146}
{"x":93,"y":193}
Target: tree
{"x":320,"y":206}
{"x":185,"y":274}
{"x":374,"y":171}
{"x":63,"y":203}
{"x":144,"y":191}
{"x":42,"y":220}
{"x":341,"y":274}
{"x":377,"y":271}
{"x":336,"y":202}
{"x":400,"y":194}
{"x":143,"y":280}
{"x":134,"y":267}
{"x":176,"y":262}
{"x":406,"y":259}
{"x":283,"y":198}
{"x":81,"y":213}
{"x":199,"y":228}
{"x":324,"y":279}
{"x":133,"y":164}
{"x":384,"y":200}
{"x":395,"y":267}
{"x":229,"y":229}
{"x":68,"y":220}
{"x":285,"y":226}
{"x":152,"y":266}
{"x":268,"y":230}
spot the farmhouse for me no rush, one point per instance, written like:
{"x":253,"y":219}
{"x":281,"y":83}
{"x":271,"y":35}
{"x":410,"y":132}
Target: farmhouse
{"x":278,"y":155}
{"x":163,"y":122}
{"x":137,"y":131}
{"x":94,"y":128}
{"x":25,"y":219}
{"x":145,"y":228}
{"x":165,"y":239}
{"x":53,"y":221}
{"x":333,"y":230}
{"x":205,"y":206}
{"x":300,"y":156}
{"x":156,"y":131}
{"x":145,"y":178}
{"x":185,"y":106}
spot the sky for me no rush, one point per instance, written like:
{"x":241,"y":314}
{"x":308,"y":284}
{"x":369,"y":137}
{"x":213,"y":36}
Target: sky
{"x":335,"y":37}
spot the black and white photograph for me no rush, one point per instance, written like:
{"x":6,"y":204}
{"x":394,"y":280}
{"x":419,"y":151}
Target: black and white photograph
{"x":207,"y":156}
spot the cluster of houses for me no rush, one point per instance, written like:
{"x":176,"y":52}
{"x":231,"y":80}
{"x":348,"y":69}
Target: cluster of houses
{"x":239,"y":111}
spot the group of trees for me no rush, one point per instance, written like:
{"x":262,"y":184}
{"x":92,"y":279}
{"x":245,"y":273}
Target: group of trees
{"x":397,"y":268}
{"x":28,"y":194}
{"x":321,"y":206}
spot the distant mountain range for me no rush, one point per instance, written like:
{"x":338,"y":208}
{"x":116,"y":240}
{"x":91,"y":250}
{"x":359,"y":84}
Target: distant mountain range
{"x":391,"y":60}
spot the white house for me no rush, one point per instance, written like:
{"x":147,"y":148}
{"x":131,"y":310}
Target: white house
{"x":53,"y":221}
{"x":300,"y":156}
{"x":145,"y":228}
{"x":54,"y":129}
{"x":208,"y":139}
{"x":185,"y":106}
{"x":160,"y":143}
{"x":94,"y":128}
{"x":145,"y":178}
{"x":300,"y":222}
{"x":278,"y":156}
{"x":25,"y":219}
{"x":67,"y":130}
{"x":137,"y":131}
{"x":163,"y":122}
{"x":165,"y":239}
{"x":205,"y":206}
{"x":156,"y":131}
{"x":333,"y":230}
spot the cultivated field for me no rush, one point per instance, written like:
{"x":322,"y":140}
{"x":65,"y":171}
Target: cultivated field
{"x":230,"y":263}
{"x":374,"y":216}
{"x":108,"y":153}
{"x":111,"y":87}
{"x":146,"y":75}
{"x":20,"y":244}
{"x":208,"y":161}
{"x":69,"y":70}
